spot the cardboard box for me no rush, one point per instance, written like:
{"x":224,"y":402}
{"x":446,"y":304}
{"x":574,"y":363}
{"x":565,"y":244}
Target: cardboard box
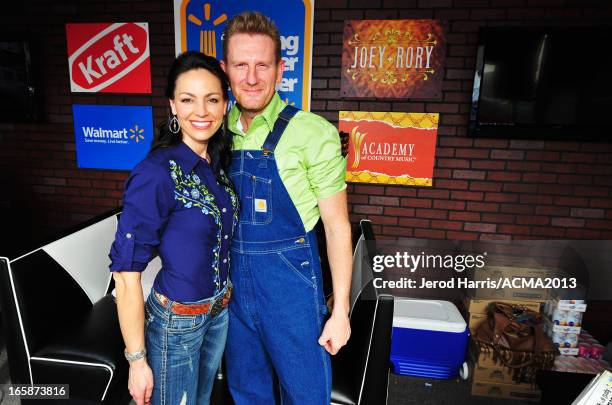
{"x":486,"y":370}
{"x":495,"y":373}
{"x":564,"y":306}
{"x":507,"y":391}
{"x":501,"y":268}
{"x":485,"y":360}
{"x":475,"y":320}
{"x":566,"y":329}
{"x":479,"y":305}
{"x":568,"y":351}
{"x":548,"y":325}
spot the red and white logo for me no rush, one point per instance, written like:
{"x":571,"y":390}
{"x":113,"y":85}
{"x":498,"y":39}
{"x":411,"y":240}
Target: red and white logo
{"x":109,"y":58}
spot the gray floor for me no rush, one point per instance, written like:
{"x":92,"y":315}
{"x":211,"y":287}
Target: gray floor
{"x":423,"y":391}
{"x":402,"y":390}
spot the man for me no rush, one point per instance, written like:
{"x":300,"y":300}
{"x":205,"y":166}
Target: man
{"x":288,"y":171}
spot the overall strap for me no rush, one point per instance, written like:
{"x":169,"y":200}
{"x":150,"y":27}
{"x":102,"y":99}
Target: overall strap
{"x":279,"y":127}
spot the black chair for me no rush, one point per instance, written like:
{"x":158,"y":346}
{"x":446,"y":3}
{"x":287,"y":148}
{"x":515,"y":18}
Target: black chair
{"x":360,"y":371}
{"x":60,"y":324}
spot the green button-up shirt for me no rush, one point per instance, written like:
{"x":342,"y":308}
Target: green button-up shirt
{"x":308,"y":155}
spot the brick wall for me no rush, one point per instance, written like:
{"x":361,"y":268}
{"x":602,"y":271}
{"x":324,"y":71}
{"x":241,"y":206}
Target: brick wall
{"x":38,"y":162}
{"x":483,"y":188}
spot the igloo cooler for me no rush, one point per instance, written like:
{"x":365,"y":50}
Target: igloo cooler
{"x":429,"y":339}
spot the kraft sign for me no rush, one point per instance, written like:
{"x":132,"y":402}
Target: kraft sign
{"x":198,"y":25}
{"x":110,"y":136}
{"x":109,"y":58}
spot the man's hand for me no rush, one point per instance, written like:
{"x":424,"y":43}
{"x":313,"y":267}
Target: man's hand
{"x":334,"y":214}
{"x":140,"y":382}
{"x":336,"y":333}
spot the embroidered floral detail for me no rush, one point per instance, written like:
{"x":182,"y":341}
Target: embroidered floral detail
{"x":235,"y":204}
{"x":190,"y":190}
{"x":233,"y":198}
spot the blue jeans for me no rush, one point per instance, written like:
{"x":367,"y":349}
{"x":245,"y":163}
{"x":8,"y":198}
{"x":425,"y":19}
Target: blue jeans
{"x":184,"y":353}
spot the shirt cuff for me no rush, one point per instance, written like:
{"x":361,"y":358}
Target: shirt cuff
{"x":122,"y":254}
{"x":330,"y":191}
{"x":128,"y":266}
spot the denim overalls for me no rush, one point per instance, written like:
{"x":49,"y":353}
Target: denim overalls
{"x":277,"y":311}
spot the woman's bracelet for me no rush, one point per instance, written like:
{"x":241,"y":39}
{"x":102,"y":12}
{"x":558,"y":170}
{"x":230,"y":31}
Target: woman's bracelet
{"x":130,"y":357}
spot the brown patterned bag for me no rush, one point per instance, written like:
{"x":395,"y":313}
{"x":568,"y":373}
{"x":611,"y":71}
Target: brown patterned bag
{"x":513,"y":335}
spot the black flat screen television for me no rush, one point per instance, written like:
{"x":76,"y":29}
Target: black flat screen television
{"x":18,"y":90}
{"x":543,"y":83}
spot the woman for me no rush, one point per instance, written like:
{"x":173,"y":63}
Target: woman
{"x":178,"y":203}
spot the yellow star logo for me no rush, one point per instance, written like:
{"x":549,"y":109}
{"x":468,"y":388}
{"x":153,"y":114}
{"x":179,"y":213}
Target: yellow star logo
{"x":137,"y":133}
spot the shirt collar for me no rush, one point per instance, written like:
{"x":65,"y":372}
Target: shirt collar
{"x":269,"y":114}
{"x":185,"y":157}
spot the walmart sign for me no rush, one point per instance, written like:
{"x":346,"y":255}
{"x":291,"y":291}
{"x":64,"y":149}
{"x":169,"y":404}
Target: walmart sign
{"x":110,"y":136}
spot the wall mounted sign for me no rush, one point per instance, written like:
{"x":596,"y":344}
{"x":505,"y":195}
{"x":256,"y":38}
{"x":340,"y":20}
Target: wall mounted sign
{"x":112,"y":136}
{"x":389,"y":147}
{"x":109,"y":58}
{"x":393,"y":59}
{"x":198,"y":25}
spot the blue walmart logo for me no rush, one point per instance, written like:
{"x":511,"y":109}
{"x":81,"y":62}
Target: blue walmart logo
{"x":121,"y":136}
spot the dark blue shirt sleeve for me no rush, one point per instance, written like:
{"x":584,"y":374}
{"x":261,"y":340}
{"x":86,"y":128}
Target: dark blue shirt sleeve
{"x":147,"y":203}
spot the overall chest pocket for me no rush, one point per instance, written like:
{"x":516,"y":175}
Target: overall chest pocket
{"x":262,"y":200}
{"x":255,"y":193}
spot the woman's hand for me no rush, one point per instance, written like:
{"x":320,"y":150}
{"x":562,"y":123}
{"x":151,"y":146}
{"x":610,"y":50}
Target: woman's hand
{"x":130,"y":308}
{"x":140,"y":382}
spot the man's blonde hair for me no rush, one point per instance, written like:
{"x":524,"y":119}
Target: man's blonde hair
{"x":252,"y":22}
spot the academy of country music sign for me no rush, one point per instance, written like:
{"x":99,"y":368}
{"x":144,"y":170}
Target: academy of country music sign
{"x":109,"y":58}
{"x":198,"y":25}
{"x":390,"y":147}
{"x":393,"y":59}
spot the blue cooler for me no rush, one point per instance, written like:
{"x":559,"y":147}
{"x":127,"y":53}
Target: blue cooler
{"x":429,"y":339}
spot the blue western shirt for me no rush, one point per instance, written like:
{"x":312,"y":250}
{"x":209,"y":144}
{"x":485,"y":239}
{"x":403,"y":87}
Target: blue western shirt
{"x":175,"y":207}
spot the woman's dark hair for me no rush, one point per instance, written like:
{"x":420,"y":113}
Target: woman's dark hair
{"x":220,"y":144}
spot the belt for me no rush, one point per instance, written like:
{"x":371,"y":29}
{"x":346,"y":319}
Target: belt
{"x":214,"y":308}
